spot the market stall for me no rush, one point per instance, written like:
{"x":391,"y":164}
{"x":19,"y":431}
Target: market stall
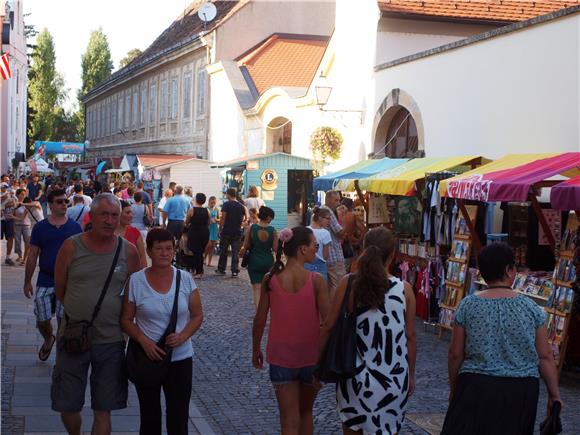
{"x":284,"y":182}
{"x":534,"y":230}
{"x":363,"y":169}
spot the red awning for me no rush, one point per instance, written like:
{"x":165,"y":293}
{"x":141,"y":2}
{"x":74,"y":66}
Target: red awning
{"x":510,"y":183}
{"x":566,"y":195}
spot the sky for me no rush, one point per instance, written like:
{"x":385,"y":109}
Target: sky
{"x":128,"y":24}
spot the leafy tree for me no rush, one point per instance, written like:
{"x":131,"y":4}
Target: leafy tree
{"x":130,"y":57}
{"x":96,"y":66}
{"x":45,"y":90}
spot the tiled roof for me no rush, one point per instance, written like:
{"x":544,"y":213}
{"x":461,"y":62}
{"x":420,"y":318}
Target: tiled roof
{"x":477,"y":10}
{"x":151,"y":160}
{"x":183,"y":31}
{"x":284,"y":60}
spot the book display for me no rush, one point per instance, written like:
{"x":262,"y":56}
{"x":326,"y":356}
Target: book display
{"x":458,"y":276}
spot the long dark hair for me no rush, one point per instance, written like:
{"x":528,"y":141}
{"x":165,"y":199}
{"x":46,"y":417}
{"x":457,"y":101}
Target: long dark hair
{"x":301,"y":236}
{"x":371,"y":281}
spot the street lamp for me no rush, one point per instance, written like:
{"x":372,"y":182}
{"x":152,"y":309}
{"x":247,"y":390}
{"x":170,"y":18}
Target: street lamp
{"x":323,"y":91}
{"x":322,"y":95}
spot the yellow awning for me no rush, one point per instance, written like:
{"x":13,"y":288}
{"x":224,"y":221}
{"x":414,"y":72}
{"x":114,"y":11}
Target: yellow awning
{"x":401,"y":179}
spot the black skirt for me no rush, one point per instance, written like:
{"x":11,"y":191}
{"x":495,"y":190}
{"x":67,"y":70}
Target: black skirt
{"x":484,"y":405}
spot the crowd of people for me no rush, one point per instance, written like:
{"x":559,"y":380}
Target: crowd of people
{"x":117,"y":242}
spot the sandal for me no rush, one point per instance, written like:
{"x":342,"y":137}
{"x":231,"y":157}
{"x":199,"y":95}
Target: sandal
{"x":43,"y":353}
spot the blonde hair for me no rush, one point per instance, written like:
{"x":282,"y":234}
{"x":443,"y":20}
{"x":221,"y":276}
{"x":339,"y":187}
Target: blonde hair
{"x":253,"y":192}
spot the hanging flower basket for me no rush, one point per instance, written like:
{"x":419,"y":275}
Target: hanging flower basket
{"x":326,"y":142}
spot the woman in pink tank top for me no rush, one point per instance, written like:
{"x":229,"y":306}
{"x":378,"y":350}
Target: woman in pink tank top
{"x":297,"y":301}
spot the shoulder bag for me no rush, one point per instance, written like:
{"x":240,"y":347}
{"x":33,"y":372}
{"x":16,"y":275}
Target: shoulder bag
{"x":247,"y":252}
{"x":338,"y":360}
{"x":77,"y":336}
{"x":144,"y":371}
{"x":147,"y":221}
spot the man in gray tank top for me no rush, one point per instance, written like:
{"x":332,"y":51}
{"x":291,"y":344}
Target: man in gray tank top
{"x":82,"y":266}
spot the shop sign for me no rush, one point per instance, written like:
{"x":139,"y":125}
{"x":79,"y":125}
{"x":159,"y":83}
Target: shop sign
{"x":253,"y":165}
{"x":378,"y":210}
{"x":269,"y":179}
{"x":474,"y":187}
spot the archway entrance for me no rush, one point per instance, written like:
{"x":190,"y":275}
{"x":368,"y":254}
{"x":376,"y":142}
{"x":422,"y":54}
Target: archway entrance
{"x":397,"y":135}
{"x":279,"y":136}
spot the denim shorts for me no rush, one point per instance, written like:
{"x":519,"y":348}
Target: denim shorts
{"x":318,"y":266}
{"x":283,"y":375}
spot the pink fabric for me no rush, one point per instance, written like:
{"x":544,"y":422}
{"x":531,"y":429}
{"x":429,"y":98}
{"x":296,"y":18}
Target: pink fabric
{"x":294,"y":334}
{"x":566,"y":195}
{"x":512,"y":184}
{"x":124,"y":194}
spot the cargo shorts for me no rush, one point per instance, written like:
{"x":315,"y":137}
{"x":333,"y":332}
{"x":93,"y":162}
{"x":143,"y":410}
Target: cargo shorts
{"x":109,"y":385}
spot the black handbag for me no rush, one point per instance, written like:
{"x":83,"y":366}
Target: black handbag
{"x":338,"y":360}
{"x":76,"y":337}
{"x":552,"y":425}
{"x":144,"y":371}
{"x":247,"y":252}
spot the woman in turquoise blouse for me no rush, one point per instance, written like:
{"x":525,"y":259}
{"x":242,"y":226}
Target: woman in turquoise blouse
{"x":214,"y":212}
{"x":499,"y":341}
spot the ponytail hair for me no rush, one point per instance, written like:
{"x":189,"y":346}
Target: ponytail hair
{"x":372,"y":282}
{"x":288,"y":243}
{"x":319,"y":213}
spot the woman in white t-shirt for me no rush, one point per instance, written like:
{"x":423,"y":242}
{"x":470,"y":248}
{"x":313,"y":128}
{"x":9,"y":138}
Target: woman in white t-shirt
{"x":146,"y":313}
{"x":253,"y":200}
{"x":320,"y":221}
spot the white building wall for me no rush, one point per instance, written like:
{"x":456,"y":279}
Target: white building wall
{"x":514,"y":93}
{"x":13,"y":92}
{"x":398,"y":38}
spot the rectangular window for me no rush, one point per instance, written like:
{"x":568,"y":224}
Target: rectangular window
{"x":187,"y":95}
{"x":136,"y":106}
{"x":120,"y":113}
{"x":153,"y":103}
{"x":113,"y":116}
{"x":107,"y":125}
{"x":201,"y":86}
{"x":163,"y":103}
{"x":127,"y":110}
{"x":143,"y":106}
{"x":98,"y":122}
{"x":174,"y":98}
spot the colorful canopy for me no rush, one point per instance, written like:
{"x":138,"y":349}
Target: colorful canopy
{"x":357,"y":171}
{"x":509,"y":178}
{"x":401,"y":180}
{"x":566,"y":195}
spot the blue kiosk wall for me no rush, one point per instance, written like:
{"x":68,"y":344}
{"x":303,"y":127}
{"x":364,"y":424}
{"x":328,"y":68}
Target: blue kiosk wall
{"x":281,"y":164}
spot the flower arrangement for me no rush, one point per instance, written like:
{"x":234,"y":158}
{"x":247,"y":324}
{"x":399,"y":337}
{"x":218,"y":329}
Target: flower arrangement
{"x":286,"y":235}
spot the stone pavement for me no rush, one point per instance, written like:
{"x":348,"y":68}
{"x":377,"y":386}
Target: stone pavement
{"x":229,"y":396}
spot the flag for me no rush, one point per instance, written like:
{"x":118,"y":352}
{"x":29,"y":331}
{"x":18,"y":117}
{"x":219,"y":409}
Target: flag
{"x":5,"y":67}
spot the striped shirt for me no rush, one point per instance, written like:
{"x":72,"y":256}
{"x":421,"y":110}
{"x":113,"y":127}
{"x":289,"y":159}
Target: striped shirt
{"x":335,"y":255}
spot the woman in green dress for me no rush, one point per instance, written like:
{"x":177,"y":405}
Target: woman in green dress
{"x":261,"y":240}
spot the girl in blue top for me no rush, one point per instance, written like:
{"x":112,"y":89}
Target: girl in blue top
{"x":499,"y":340}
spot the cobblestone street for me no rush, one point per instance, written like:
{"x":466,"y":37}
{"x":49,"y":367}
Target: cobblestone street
{"x":229,"y":395}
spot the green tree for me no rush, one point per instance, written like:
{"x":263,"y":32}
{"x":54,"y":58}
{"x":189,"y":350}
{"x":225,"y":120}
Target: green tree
{"x":45,"y":90}
{"x":130,"y":57}
{"x":96,"y":66}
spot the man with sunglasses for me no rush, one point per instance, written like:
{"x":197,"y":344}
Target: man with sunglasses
{"x":47,"y":237}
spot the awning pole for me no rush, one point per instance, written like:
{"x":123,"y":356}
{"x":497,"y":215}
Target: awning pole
{"x":362,"y":198}
{"x":469,"y":222}
{"x":543,"y":221}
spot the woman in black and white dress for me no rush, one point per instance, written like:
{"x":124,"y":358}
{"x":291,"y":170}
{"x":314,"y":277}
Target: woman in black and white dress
{"x":375,"y":399}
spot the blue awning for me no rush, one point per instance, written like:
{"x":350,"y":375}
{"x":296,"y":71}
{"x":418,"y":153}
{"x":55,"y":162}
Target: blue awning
{"x":363,"y":169}
{"x":100,"y":167}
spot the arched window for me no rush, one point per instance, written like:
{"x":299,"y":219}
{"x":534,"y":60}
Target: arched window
{"x":279,"y":135}
{"x":401,"y":140}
